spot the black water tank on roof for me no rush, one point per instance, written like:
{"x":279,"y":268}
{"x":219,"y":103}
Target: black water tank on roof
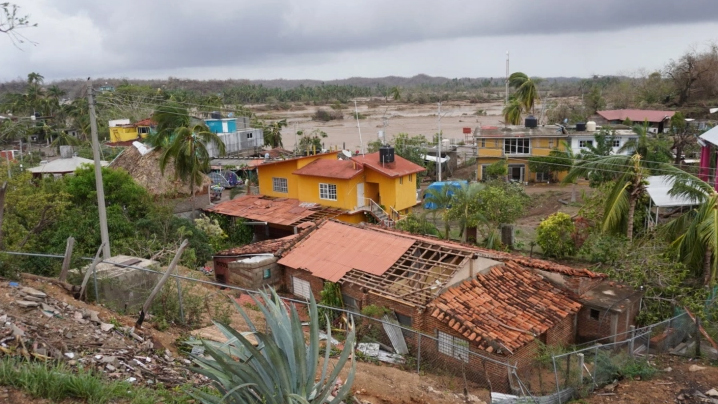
{"x":581,"y":127}
{"x":386,"y":154}
{"x":215,"y":115}
{"x":531,"y":121}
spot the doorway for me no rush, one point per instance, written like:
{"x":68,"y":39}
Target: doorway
{"x":516,"y":172}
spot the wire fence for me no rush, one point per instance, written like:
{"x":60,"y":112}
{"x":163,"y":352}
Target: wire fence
{"x":552,"y":377}
{"x":459,"y":365}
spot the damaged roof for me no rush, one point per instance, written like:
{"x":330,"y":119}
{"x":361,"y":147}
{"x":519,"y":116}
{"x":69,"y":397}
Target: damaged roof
{"x":261,"y":247}
{"x":334,"y":249}
{"x":504,"y":309}
{"x":636,"y":115}
{"x":281,"y":211}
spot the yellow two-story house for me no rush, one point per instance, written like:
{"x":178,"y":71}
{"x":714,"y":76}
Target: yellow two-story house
{"x":357,"y":184}
{"x":122,"y":130}
{"x":515,"y":145}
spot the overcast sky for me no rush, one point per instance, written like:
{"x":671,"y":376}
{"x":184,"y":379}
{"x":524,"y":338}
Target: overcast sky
{"x":331,"y":39}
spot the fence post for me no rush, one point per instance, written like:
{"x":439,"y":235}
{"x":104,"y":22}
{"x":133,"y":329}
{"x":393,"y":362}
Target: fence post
{"x":66,"y":260}
{"x":632,"y":341}
{"x":595,"y":366}
{"x":580,"y":368}
{"x":555,"y":373}
{"x":648,"y":343}
{"x":698,"y":337}
{"x":418,"y":354}
{"x":179,"y":300}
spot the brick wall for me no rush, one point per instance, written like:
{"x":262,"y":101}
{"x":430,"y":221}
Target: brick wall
{"x":591,"y":328}
{"x":316,"y":284}
{"x":248,"y":275}
{"x":563,"y":333}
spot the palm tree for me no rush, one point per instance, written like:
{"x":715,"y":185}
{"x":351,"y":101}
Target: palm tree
{"x":628,"y":189}
{"x":568,"y":157}
{"x":526,"y":91}
{"x":395,"y":93}
{"x":653,"y":149}
{"x":440,"y":200}
{"x":35,"y":79}
{"x":273,"y":133}
{"x":464,"y":207}
{"x":694,"y":234}
{"x":169,"y":118}
{"x":188,"y":151}
{"x":512,"y":112}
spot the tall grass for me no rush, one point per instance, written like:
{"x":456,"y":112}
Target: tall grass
{"x":57,"y":382}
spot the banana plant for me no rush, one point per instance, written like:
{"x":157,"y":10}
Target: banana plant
{"x":283,"y":366}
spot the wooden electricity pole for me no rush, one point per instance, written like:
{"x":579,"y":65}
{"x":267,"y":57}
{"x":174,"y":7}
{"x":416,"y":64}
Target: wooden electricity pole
{"x":104,"y":234}
{"x":159,"y":284}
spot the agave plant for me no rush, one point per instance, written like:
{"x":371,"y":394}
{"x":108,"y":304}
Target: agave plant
{"x":283,"y":366}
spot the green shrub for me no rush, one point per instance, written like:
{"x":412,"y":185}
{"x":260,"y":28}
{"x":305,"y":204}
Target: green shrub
{"x":554,"y":236}
{"x":325,"y":116}
{"x":603,"y":248}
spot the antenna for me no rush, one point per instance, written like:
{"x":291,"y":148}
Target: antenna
{"x":356,"y":114}
{"x":438,"y":154}
{"x":506,"y":96}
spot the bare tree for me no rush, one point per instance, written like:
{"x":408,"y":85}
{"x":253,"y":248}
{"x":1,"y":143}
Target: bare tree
{"x":694,"y":73}
{"x":11,"y":22}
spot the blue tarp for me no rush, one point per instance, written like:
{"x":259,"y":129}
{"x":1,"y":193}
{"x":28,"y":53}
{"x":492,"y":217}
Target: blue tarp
{"x":428,"y":204}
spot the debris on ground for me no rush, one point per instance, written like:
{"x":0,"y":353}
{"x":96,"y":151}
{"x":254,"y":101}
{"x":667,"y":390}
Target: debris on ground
{"x":373,"y":350}
{"x":36,"y":326}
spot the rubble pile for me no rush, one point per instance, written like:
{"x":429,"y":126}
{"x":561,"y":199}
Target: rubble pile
{"x":36,"y":326}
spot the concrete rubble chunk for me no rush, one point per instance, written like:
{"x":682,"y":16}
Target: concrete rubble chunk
{"x":106,"y":327}
{"x":696,"y":368}
{"x":92,"y":315}
{"x":110,"y":368}
{"x":712,"y":393}
{"x":77,"y":315}
{"x":17,"y":331}
{"x":26,"y":303}
{"x":33,"y":292}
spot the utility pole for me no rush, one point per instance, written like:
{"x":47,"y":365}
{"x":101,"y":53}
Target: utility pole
{"x":104,"y":234}
{"x":506,"y":94}
{"x":356,"y":113}
{"x":438,"y":157}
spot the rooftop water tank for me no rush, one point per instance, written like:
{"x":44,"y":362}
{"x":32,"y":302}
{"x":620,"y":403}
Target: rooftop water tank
{"x":215,"y":115}
{"x":581,"y":127}
{"x":531,"y":121}
{"x":591,"y":126}
{"x":386,"y":154}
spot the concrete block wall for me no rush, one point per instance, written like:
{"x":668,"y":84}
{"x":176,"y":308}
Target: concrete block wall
{"x":251,"y":275}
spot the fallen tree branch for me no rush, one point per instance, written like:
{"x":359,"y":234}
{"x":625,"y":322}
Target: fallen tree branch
{"x":68,"y":287}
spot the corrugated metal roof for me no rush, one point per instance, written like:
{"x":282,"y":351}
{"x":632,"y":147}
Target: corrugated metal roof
{"x":300,"y":158}
{"x":399,"y":168}
{"x":281,"y":211}
{"x":62,"y":166}
{"x":325,"y":168}
{"x":636,"y":115}
{"x":658,"y":189}
{"x":334,"y":249}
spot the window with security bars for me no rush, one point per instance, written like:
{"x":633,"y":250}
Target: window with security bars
{"x":517,"y":146}
{"x":328,"y":192}
{"x":279,"y":185}
{"x":616,"y":143}
{"x":455,"y":347}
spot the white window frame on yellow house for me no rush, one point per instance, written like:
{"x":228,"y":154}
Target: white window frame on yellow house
{"x":280,"y":185}
{"x":326,"y":191}
{"x":511,"y":146}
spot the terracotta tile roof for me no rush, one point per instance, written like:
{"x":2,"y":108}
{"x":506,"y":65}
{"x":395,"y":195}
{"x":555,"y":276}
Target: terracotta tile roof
{"x":504,"y":309}
{"x":333,"y":249}
{"x":300,"y":158}
{"x":399,"y":168}
{"x":277,"y":152}
{"x":260,"y":247}
{"x":281,"y":211}
{"x":635,"y":115}
{"x":341,"y":169}
{"x":145,"y":122}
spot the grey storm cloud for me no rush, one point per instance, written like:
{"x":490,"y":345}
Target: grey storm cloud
{"x":197,"y":33}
